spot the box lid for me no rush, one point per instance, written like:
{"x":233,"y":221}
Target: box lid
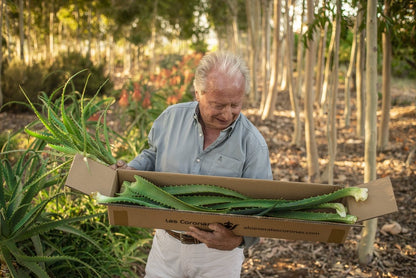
{"x":380,"y":200}
{"x":89,"y":176}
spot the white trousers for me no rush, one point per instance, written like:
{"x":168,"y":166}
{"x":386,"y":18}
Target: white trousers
{"x":169,"y":258}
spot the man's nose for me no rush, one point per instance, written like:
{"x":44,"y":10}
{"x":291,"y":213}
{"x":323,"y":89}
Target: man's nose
{"x":227,"y":113}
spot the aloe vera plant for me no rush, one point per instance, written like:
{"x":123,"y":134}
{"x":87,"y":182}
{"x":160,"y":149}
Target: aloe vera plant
{"x":23,"y":219}
{"x":211,"y":198}
{"x":67,"y":125}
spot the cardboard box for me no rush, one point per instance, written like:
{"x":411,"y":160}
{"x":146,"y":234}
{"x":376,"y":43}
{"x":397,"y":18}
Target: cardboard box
{"x":89,"y":177}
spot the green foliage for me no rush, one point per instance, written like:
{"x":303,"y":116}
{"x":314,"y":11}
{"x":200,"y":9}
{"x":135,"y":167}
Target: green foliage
{"x":34,"y":79}
{"x":18,"y":74}
{"x":67,"y":128}
{"x":47,"y":230}
{"x":69,"y":64}
{"x":23,"y":219}
{"x":8,"y":142}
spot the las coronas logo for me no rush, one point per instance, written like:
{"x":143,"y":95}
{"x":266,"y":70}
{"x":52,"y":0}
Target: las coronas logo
{"x":229,"y":225}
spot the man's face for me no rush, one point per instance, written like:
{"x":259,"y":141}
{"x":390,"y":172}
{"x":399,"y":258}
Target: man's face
{"x":222,"y":100}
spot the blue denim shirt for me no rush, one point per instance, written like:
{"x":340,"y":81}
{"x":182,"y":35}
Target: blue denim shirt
{"x":176,"y":145}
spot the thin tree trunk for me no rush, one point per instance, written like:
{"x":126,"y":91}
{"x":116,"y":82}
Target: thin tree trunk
{"x":347,"y":93}
{"x":253,"y":16}
{"x":266,"y":51}
{"x":359,"y":77}
{"x":311,"y":148}
{"x":233,"y":6}
{"x":89,"y":33}
{"x":28,"y":41}
{"x":366,"y":244}
{"x":21,"y":30}
{"x":272,"y":93}
{"x":9,"y":35}
{"x":152,"y":68}
{"x":328,"y":71}
{"x":296,"y":137}
{"x":320,"y":63}
{"x":1,"y":48}
{"x":109,"y":54}
{"x":299,"y":58}
{"x":321,"y":56}
{"x":383,"y":138}
{"x":51,"y":34}
{"x":332,"y":99}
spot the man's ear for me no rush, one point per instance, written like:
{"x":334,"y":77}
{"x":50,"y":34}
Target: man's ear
{"x":196,"y":96}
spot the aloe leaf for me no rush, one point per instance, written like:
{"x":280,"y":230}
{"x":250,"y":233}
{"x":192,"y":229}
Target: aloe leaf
{"x":102,"y":199}
{"x":71,"y":230}
{"x":47,"y":226}
{"x":8,"y":258}
{"x":2,"y":197}
{"x":154,"y":193}
{"x":202,"y":188}
{"x":338,"y":207}
{"x":31,"y":216}
{"x":42,"y":136}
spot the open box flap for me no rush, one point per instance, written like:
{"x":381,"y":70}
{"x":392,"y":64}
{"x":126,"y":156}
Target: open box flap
{"x":89,"y":176}
{"x":380,"y":200}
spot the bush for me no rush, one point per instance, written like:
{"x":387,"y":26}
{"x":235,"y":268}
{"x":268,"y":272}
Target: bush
{"x":28,"y":77}
{"x":38,"y":77}
{"x":71,"y":63}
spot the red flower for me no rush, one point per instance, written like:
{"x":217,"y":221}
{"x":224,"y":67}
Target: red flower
{"x":146,"y":101}
{"x":124,"y":98}
{"x":137,"y":96}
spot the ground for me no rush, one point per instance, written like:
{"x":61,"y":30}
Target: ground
{"x":394,"y":249}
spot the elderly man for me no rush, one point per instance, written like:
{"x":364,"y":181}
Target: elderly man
{"x":209,"y":136}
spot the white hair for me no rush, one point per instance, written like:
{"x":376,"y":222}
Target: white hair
{"x":225,"y":62}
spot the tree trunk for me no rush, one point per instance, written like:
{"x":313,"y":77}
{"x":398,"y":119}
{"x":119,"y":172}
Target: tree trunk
{"x":152,"y":67}
{"x":266,"y":51}
{"x":332,"y":99}
{"x":383,"y":138}
{"x":296,"y":137}
{"x":272,"y":93}
{"x":347,"y":93}
{"x":9,"y":34}
{"x":253,"y":16}
{"x":89,"y":33}
{"x":321,"y":59}
{"x":233,"y":6}
{"x":366,"y":244}
{"x":1,"y":48}
{"x":21,"y":30}
{"x":311,"y":148}
{"x":359,"y":77}
{"x":320,"y":64}
{"x":28,"y":30}
{"x":328,"y":71}
{"x":110,"y":54}
{"x":299,"y":56}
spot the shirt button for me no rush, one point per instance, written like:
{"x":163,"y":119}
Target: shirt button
{"x":198,"y":160}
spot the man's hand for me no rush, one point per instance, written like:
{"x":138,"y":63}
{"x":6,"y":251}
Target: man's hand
{"x":220,"y":238}
{"x":121,"y":164}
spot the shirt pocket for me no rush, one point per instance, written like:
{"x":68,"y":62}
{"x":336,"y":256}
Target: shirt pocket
{"x":226,"y":166}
